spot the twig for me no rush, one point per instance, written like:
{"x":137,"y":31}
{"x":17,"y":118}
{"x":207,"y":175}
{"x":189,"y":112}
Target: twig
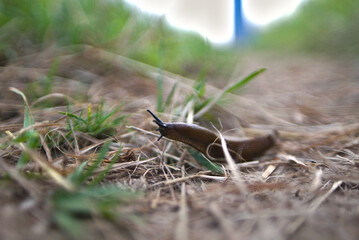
{"x":54,"y":95}
{"x":182,"y":225}
{"x":155,"y":201}
{"x":316,"y":204}
{"x":297,"y":223}
{"x":143,"y":131}
{"x":170,"y":186}
{"x":181,"y":159}
{"x":183,"y":179}
{"x":231,"y":164}
{"x":117,"y":166}
{"x":46,"y":148}
{"x":292,"y":158}
{"x":77,"y":149}
{"x":269,"y":170}
{"x":317,"y":181}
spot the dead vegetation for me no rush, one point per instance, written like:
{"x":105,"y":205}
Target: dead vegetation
{"x":304,"y":188}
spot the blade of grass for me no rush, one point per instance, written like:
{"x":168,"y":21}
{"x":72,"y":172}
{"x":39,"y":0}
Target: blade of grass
{"x":244,"y":81}
{"x":69,"y":224}
{"x":170,"y":96}
{"x":103,"y":174}
{"x":49,"y":79}
{"x":28,"y":119}
{"x":104,"y":118}
{"x":75,"y":117}
{"x":89,"y":116}
{"x":227,"y":90}
{"x":213,"y":167}
{"x":161,"y":51}
{"x":32,"y":142}
{"x":88,"y":172}
{"x":200,"y":88}
{"x":32,"y":138}
{"x":160,"y":92}
{"x":75,"y":175}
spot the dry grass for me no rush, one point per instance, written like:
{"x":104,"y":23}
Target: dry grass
{"x":305,"y":188}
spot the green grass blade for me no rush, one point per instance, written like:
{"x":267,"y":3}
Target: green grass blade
{"x":213,"y":167}
{"x":200,"y":88}
{"x":28,"y":119}
{"x":89,"y":115}
{"x":31,"y":137}
{"x":244,"y":81}
{"x":105,"y":117}
{"x":170,"y":96}
{"x":202,"y":104}
{"x":76,"y":175}
{"x":210,"y":102}
{"x":74,"y":116}
{"x":49,"y":79}
{"x":160,"y":92}
{"x":101,"y":155}
{"x":104,"y":173}
{"x":32,"y":142}
{"x":69,"y":224}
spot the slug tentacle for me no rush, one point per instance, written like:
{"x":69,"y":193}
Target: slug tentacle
{"x":208,"y":143}
{"x":158,"y":122}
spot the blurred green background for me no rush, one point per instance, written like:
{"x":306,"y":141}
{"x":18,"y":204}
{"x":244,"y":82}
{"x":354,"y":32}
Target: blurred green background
{"x":319,"y":26}
{"x":27,"y":26}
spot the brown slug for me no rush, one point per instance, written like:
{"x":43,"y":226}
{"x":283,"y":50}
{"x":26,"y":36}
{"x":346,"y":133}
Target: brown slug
{"x":208,"y":143}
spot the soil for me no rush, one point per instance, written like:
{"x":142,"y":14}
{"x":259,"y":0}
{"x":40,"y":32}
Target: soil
{"x":304,"y":188}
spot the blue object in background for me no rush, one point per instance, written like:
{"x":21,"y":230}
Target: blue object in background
{"x":239,"y":29}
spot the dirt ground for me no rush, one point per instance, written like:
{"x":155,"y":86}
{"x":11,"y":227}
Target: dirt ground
{"x":306,"y":187}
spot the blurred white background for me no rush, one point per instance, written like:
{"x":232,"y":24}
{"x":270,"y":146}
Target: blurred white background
{"x":214,"y":19}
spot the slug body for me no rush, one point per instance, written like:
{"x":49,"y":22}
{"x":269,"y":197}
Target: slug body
{"x":208,"y":143}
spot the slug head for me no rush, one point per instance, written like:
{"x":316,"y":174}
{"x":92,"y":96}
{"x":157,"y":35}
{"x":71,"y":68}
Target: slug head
{"x":162,"y":126}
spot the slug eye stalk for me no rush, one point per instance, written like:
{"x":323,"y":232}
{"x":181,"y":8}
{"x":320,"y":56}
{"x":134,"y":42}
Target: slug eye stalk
{"x":158,"y":122}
